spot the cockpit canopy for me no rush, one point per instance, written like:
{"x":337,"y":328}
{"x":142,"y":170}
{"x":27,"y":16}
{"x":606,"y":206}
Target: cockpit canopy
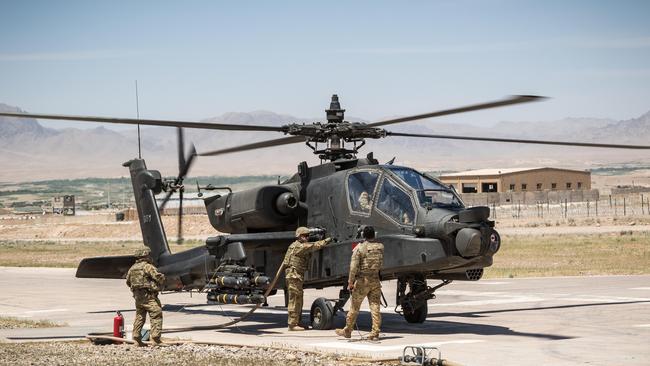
{"x":430,"y":192}
{"x":395,"y":194}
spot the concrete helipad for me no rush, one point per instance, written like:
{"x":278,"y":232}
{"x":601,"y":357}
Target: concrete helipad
{"x":561,"y":321}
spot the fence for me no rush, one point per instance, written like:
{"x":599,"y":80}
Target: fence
{"x":605,"y":206}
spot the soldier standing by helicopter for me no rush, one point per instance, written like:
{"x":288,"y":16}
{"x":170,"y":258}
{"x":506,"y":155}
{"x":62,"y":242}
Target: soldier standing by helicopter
{"x":295,"y":263}
{"x":145,"y":281}
{"x":367,"y":260}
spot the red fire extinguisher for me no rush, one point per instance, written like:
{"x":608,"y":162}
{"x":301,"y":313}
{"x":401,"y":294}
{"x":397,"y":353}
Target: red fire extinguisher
{"x":118,"y":325}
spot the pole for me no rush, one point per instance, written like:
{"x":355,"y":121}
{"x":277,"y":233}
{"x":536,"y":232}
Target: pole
{"x":642,"y":208}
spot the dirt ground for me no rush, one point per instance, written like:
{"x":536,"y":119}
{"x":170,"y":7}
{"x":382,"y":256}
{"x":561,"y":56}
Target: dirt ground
{"x":94,"y":227}
{"x":530,"y":248}
{"x":604,"y":183}
{"x":102,"y":227}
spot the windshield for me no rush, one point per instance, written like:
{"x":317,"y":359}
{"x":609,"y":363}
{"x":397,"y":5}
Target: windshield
{"x":429,"y":191}
{"x":395,"y":203}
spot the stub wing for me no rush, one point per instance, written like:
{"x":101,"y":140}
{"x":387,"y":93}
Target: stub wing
{"x":105,"y":267}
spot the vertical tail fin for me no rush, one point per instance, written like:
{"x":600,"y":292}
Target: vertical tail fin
{"x":146,"y":184}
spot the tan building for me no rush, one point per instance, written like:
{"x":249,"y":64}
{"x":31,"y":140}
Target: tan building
{"x":518,"y":180}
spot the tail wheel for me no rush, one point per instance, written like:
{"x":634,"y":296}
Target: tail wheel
{"x":322,"y":314}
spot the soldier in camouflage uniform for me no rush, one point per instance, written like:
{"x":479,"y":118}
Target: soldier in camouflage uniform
{"x":295,"y":262}
{"x":145,"y":281}
{"x":367,"y":260}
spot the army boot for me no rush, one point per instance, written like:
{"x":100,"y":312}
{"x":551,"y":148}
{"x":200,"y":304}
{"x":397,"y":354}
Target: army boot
{"x":373,"y":336}
{"x":156,"y":341}
{"x":295,"y":328}
{"x":138,"y":342}
{"x":344,"y":332}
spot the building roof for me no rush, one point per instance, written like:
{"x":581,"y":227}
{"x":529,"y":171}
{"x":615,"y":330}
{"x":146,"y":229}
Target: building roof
{"x":504,"y":171}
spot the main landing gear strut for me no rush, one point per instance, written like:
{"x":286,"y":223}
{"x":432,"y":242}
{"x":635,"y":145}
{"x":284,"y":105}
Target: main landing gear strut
{"x":413,"y":303}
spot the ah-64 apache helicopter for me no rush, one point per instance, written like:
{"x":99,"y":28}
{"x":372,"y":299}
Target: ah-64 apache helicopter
{"x":427,"y":231}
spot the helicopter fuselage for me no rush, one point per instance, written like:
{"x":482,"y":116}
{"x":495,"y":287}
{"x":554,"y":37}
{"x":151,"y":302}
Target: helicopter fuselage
{"x":423,"y":224}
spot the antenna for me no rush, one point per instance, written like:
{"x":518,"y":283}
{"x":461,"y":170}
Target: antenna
{"x":137,"y":110}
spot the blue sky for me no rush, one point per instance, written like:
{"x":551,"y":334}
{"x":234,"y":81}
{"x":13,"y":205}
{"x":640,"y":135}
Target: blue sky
{"x":198,"y":59}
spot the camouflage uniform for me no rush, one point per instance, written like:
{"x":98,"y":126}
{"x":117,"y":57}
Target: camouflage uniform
{"x":367,"y":259}
{"x":145,"y":281}
{"x":295,"y":262}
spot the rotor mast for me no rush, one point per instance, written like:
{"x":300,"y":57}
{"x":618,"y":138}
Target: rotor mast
{"x":335,"y":133}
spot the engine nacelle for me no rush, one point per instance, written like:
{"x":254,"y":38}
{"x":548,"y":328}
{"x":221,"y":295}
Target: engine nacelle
{"x":262,"y":208}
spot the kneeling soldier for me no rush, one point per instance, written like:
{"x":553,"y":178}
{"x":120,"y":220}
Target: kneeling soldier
{"x":145,"y":281}
{"x":364,"y":281}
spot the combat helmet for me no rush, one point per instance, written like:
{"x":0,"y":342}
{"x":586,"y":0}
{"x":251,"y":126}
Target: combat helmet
{"x":302,"y":231}
{"x":142,"y":252}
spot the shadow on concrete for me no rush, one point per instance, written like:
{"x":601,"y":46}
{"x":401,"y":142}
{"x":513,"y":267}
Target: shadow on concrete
{"x":270,"y":324}
{"x":35,"y":338}
{"x":480,"y":314}
{"x":274,"y":324}
{"x":165,"y":307}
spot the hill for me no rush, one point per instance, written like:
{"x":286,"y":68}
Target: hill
{"x":31,"y":151}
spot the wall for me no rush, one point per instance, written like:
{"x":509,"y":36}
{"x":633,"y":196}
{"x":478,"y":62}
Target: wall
{"x":531,"y":178}
{"x":546,"y":177}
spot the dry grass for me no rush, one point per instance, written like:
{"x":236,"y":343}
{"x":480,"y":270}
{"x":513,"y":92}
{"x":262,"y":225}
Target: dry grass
{"x":624,"y":253}
{"x":67,"y":254}
{"x":520,"y":256}
{"x":7,"y":322}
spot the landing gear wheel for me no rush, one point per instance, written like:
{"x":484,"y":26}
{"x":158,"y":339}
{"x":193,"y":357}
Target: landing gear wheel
{"x":418,"y":315}
{"x":322,"y":314}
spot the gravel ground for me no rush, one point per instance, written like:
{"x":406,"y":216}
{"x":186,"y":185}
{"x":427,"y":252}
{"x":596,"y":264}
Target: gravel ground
{"x":85,"y":353}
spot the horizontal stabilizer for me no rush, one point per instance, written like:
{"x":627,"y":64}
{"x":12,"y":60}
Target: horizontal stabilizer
{"x":105,"y":267}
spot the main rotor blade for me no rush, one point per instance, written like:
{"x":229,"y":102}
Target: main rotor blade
{"x":520,"y":141}
{"x":148,"y":122}
{"x":515,"y":99}
{"x":256,"y":145}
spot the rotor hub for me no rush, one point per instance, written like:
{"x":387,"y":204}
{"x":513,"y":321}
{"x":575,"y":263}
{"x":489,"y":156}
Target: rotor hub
{"x":335,"y":134}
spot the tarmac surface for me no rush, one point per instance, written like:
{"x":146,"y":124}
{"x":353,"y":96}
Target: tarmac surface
{"x":599,"y":320}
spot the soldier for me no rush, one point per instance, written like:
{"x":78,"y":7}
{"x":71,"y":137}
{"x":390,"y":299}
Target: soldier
{"x":145,"y":281}
{"x":295,"y":262}
{"x":367,"y":260}
{"x":364,"y":201}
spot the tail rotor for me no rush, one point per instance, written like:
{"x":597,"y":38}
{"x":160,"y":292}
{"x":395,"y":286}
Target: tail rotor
{"x":184,"y":164}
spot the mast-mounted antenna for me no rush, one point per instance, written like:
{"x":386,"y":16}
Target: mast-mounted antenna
{"x":137,"y":111}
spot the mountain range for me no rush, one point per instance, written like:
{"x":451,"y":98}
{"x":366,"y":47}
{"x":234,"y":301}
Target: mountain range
{"x":31,"y":151}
